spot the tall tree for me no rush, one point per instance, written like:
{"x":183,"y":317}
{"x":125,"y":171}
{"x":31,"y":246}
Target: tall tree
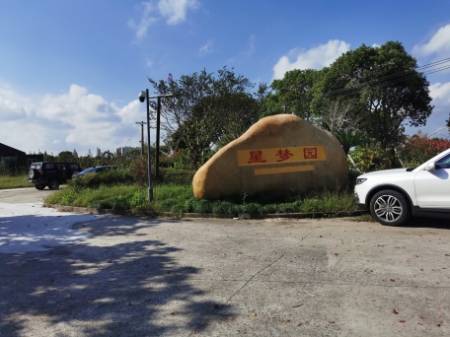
{"x":383,"y":89}
{"x":206,"y":110}
{"x":295,"y":92}
{"x":66,"y":156}
{"x":189,"y":90}
{"x":215,"y":121}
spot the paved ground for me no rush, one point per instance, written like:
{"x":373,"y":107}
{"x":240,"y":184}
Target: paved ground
{"x":23,"y":195}
{"x":118,"y":276}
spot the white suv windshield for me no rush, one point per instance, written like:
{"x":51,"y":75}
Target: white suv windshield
{"x":444,"y":162}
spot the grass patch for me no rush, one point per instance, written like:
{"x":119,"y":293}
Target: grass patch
{"x":363,"y":218}
{"x":14,"y":182}
{"x":94,"y":180}
{"x":179,"y":199}
{"x":118,"y":197}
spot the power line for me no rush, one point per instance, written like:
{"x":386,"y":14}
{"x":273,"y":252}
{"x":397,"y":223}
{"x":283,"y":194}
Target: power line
{"x":440,"y":64}
{"x":401,"y":73}
{"x":438,"y":70}
{"x":431,"y":64}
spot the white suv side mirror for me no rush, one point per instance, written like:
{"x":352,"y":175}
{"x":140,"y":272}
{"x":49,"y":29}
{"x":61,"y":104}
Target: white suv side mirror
{"x":430,"y":167}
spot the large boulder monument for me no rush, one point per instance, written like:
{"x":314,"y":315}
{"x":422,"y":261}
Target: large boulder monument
{"x":278,"y":155}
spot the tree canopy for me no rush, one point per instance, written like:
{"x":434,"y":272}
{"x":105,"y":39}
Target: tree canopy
{"x":366,"y":97}
{"x":206,"y":111}
{"x":381,"y":89}
{"x":293,"y":94}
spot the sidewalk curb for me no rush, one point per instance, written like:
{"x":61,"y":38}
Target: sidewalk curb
{"x":96,"y":211}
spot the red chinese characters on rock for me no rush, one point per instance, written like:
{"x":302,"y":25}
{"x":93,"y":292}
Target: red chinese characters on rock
{"x":284,"y":154}
{"x":256,"y":156}
{"x":310,"y":153}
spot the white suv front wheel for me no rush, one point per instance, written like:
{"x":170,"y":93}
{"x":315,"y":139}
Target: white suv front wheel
{"x":389,"y":207}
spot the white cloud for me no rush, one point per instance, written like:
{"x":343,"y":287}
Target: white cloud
{"x":171,"y":11}
{"x":438,"y":44}
{"x":30,"y":136}
{"x":133,"y":111}
{"x":174,"y":11}
{"x":440,"y":93}
{"x":206,"y":48}
{"x":148,"y":17}
{"x":74,"y":119}
{"x":12,"y":104}
{"x":315,"y":58}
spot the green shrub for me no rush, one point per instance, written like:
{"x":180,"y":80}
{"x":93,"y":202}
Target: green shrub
{"x":57,"y":197}
{"x":138,"y":170}
{"x":251,"y":208}
{"x":110,"y":177}
{"x":172,"y":191}
{"x":270,"y":208}
{"x":225,"y":208}
{"x":188,"y":205}
{"x":312,"y":205}
{"x":177,"y":176}
{"x":68,"y":196}
{"x":178,"y":199}
{"x":202,"y":206}
{"x":289,"y":207}
{"x":369,"y":158}
{"x":139,"y":199}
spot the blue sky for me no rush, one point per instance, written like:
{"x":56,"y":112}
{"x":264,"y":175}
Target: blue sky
{"x":72,"y":69}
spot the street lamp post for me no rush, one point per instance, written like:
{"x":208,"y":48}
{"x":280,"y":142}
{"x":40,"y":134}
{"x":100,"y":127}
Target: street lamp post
{"x":158,"y":128}
{"x":144,"y":96}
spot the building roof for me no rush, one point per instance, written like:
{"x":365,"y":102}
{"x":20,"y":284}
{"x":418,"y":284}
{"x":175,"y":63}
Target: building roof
{"x":8,"y":151}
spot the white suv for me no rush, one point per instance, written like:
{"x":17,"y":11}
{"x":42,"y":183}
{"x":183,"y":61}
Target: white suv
{"x":392,"y":196}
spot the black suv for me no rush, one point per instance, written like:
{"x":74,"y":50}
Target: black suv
{"x":49,"y":174}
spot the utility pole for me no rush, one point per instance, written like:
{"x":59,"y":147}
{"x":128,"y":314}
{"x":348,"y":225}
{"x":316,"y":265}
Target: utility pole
{"x":149,"y":160}
{"x":158,"y":128}
{"x":142,"y":123}
{"x":144,"y":96}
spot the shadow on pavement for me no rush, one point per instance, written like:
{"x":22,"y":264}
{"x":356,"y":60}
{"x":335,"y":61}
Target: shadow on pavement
{"x":436,"y":222}
{"x":132,"y":288}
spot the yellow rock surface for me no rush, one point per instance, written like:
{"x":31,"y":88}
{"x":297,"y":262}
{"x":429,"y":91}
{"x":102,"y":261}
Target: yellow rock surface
{"x":278,"y":155}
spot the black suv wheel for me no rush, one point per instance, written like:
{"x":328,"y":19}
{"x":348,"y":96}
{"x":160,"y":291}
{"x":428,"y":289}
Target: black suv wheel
{"x":54,"y":185}
{"x":389,"y":207}
{"x":39,"y":186}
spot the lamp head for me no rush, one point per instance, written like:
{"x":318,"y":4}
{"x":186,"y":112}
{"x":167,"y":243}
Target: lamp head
{"x":142,"y":96}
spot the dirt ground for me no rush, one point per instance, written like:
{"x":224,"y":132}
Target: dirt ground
{"x":65,"y":274}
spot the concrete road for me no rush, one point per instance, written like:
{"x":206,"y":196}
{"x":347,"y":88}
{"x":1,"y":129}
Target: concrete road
{"x":25,"y":226}
{"x":23,"y":195}
{"x":124,"y":276}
